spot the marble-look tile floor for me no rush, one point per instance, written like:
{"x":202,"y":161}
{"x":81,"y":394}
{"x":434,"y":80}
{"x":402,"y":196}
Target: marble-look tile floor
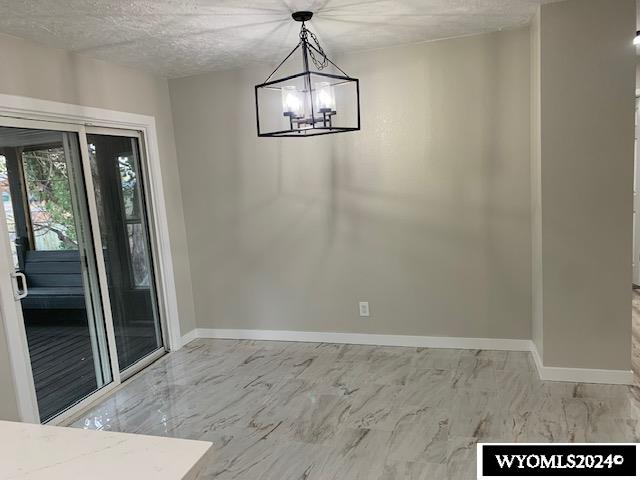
{"x":635,"y":344}
{"x":294,"y":411}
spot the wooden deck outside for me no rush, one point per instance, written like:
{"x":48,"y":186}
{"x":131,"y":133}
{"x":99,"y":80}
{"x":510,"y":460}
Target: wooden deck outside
{"x":62,"y":363}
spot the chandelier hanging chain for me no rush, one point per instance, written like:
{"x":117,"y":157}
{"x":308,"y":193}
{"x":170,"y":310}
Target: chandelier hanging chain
{"x":313,"y":50}
{"x":304,"y":38}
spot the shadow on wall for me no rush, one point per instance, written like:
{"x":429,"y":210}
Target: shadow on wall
{"x":424,"y":213}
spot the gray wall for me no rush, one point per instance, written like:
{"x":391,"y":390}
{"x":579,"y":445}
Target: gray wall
{"x":36,"y":71}
{"x":537,"y":301}
{"x":425,"y":213}
{"x":587,"y":83}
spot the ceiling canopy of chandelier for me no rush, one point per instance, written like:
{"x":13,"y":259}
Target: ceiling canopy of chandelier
{"x":310,"y":102}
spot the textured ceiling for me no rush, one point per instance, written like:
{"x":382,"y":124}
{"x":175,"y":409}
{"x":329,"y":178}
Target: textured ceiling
{"x":183,"y":37}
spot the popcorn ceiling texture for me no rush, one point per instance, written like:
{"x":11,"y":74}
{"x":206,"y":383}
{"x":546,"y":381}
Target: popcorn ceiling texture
{"x":176,"y":38}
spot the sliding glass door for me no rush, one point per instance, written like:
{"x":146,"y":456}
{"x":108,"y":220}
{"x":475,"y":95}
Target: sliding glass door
{"x":78,"y":244}
{"x":54,"y":267}
{"x":118,"y":184}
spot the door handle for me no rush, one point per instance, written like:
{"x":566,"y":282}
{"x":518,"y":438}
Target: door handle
{"x":19,"y":294}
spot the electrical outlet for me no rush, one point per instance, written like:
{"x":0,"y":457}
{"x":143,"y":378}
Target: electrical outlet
{"x":364,"y":309}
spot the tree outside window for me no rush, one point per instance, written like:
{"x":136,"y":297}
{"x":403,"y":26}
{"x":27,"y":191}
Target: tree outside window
{"x":49,"y":197}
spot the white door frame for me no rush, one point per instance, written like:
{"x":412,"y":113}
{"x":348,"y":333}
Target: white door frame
{"x":31,"y":109}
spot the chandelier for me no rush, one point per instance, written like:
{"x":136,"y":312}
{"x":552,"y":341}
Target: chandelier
{"x":310,"y":102}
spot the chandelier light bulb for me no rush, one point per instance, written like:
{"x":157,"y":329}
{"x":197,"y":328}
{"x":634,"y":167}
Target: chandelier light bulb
{"x":325,"y":98}
{"x":292,"y":104}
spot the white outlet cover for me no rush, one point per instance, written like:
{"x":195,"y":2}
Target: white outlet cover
{"x":364,"y":309}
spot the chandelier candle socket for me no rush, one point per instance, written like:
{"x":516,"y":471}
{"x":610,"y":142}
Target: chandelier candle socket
{"x":311,"y":102}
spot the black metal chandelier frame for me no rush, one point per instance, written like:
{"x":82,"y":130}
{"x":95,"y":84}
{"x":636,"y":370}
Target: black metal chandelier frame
{"x":319,"y":122}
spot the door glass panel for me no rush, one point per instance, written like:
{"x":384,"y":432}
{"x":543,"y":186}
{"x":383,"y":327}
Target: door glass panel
{"x":119,"y":190}
{"x":50,"y":235}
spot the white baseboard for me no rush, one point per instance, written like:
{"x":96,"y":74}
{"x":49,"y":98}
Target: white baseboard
{"x":581,"y":375}
{"x":189,"y":337}
{"x":365,"y":339}
{"x":557,"y":374}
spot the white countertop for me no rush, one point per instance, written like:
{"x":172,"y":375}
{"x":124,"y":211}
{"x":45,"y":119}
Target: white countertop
{"x":37,"y":452}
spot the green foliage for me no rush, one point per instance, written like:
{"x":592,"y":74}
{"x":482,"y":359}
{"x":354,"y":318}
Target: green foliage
{"x":128,"y":181}
{"x":48,"y":188}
